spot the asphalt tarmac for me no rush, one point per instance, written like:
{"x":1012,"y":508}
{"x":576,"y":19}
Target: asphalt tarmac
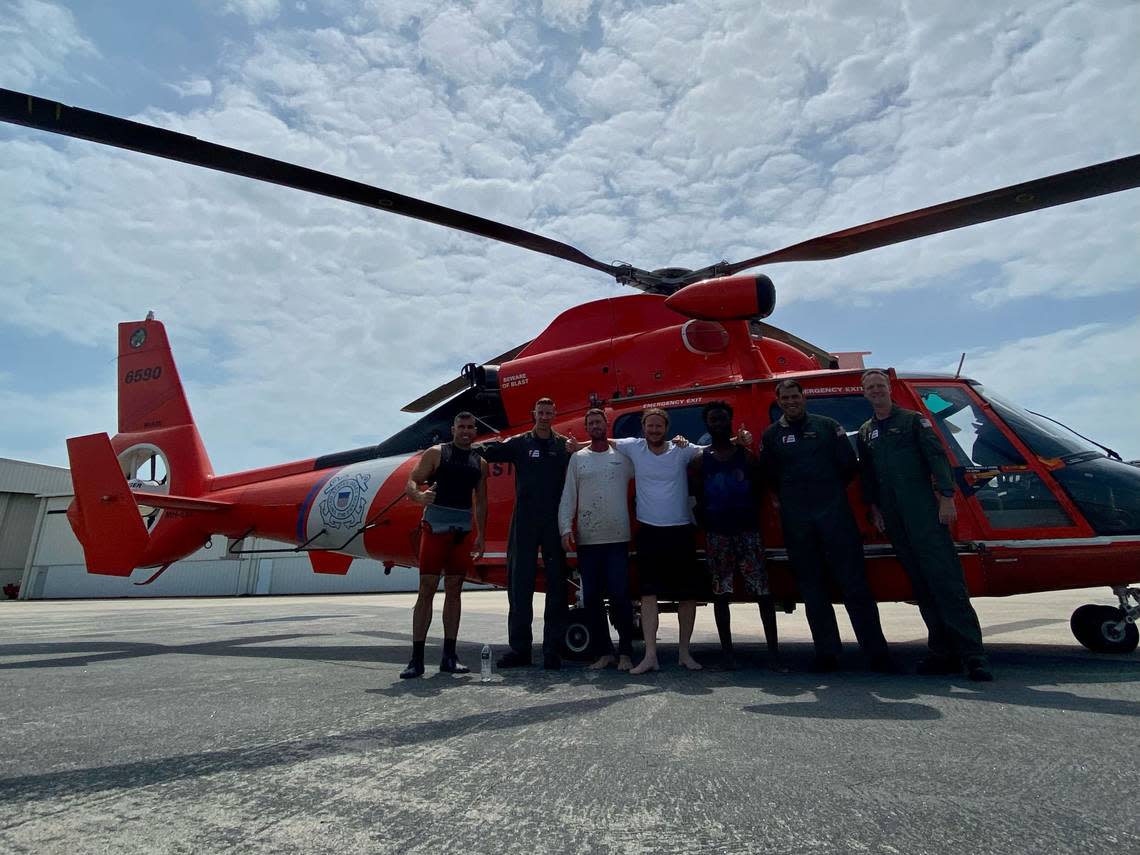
{"x":279,"y":725}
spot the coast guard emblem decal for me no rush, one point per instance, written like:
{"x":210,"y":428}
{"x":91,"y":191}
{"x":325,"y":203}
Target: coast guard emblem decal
{"x":343,"y":501}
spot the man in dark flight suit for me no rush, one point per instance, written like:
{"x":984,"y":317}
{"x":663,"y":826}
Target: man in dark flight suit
{"x":901,"y":456}
{"x":539,"y":458}
{"x":809,"y":461}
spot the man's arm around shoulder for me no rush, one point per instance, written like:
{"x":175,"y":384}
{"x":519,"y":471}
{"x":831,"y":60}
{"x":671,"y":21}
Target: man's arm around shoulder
{"x":498,"y":450}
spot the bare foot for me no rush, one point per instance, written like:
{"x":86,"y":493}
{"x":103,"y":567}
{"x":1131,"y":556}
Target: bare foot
{"x":624,"y":663}
{"x":603,"y":662}
{"x":691,"y":663}
{"x":644,"y":666}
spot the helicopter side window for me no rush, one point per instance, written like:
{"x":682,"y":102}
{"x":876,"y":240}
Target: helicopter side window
{"x":1010,"y":494}
{"x":686,"y":421}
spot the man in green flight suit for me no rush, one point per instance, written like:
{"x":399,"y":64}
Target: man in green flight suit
{"x":901,"y":457}
{"x":539,"y":458}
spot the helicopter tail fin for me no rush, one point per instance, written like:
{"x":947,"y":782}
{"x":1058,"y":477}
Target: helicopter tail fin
{"x":158,"y":444}
{"x":104,"y":515}
{"x":150,"y":390}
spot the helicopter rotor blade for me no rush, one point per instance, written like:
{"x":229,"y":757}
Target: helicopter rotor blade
{"x":1085,"y":183}
{"x":436,"y":396}
{"x":54,"y":117}
{"x":453,"y":387}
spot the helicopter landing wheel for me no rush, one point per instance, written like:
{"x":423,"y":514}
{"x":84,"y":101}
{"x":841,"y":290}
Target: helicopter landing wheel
{"x":577,"y":638}
{"x":1104,"y":629}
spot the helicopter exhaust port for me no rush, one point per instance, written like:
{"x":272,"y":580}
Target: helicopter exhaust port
{"x":727,"y":298}
{"x":1109,"y":629}
{"x":484,"y":379}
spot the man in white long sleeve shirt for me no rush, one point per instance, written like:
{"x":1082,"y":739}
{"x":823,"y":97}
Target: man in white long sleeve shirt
{"x":666,"y":549}
{"x":595,"y":504}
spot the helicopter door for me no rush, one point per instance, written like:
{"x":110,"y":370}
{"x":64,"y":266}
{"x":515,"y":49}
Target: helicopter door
{"x":1004,"y":487}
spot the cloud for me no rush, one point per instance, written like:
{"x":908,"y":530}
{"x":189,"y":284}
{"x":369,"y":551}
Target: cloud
{"x":680,"y":133}
{"x":470,"y":45}
{"x":1079,"y":376}
{"x":568,"y":15}
{"x":253,"y":11}
{"x":195,"y":88}
{"x":37,"y":39}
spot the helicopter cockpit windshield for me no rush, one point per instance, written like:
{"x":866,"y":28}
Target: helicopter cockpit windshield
{"x":1106,"y":491}
{"x":989,"y":466}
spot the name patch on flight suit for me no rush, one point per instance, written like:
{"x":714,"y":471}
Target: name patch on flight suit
{"x":810,"y":434}
{"x":789,"y":439}
{"x":535,"y":453}
{"x":875,"y":434}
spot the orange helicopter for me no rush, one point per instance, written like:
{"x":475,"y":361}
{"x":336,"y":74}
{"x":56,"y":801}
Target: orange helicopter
{"x":1039,"y":507}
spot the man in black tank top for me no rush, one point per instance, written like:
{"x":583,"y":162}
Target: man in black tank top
{"x":456,"y":481}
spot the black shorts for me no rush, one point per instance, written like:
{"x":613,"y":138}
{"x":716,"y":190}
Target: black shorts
{"x":667,"y":563}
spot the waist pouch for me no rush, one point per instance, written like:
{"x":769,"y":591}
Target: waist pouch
{"x":441,"y":520}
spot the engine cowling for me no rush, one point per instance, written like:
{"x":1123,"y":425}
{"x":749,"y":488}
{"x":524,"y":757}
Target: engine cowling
{"x":728,"y":298}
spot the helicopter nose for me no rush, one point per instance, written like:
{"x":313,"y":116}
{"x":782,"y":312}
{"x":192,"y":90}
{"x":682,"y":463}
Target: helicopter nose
{"x":728,"y":298}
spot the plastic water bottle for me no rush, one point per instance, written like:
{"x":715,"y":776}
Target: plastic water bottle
{"x":485,"y":668}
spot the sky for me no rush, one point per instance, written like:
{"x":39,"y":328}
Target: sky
{"x":655,"y":133}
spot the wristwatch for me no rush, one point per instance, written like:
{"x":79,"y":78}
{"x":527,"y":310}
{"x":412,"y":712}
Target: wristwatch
{"x":949,"y":494}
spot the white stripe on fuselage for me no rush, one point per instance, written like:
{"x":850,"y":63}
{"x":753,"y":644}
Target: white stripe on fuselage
{"x":344,"y":504}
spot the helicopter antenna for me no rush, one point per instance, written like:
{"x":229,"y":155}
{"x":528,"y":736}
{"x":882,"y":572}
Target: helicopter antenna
{"x":1103,"y":448}
{"x":961,"y":362}
{"x":494,"y":430}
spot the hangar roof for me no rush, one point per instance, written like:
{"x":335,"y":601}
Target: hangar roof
{"x":18,"y":476}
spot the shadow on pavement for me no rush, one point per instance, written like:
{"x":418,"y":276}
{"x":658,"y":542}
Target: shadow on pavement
{"x":1027,"y":676}
{"x":162,"y":770}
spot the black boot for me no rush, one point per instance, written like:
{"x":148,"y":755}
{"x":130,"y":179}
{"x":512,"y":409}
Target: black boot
{"x":416,"y":666}
{"x":979,"y":671}
{"x":449,"y":664}
{"x":414,"y":669}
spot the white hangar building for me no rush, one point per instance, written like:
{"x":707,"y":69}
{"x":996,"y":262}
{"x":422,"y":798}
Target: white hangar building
{"x":40,"y":557}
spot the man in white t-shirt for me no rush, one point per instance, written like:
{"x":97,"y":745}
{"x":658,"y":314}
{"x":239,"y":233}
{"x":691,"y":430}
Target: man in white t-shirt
{"x":595,"y":505}
{"x":666,"y":548}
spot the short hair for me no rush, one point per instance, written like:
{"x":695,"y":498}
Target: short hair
{"x":595,"y":411}
{"x":463,"y":414}
{"x":863,"y":377}
{"x":716,"y":405}
{"x":547,"y":401}
{"x":789,"y":383}
{"x":654,"y":411}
